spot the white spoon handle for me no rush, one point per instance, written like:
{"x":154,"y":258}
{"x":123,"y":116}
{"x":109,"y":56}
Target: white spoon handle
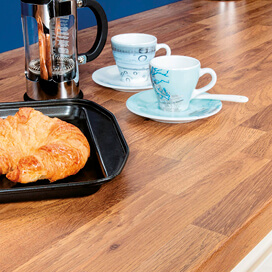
{"x":223,"y":97}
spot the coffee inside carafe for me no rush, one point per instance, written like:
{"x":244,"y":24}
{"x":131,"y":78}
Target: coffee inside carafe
{"x":56,"y":57}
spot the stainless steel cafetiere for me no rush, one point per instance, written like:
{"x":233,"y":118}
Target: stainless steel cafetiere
{"x":50,"y":39}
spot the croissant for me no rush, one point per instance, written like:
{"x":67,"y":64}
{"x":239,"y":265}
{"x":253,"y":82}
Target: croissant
{"x":34,"y":146}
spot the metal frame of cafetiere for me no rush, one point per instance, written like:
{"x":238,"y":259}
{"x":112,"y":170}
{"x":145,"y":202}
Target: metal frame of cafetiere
{"x":50,"y":39}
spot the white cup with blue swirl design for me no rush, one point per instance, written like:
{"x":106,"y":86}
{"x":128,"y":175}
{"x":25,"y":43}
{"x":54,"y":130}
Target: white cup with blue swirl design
{"x":174,"y":80}
{"x":132,"y":53}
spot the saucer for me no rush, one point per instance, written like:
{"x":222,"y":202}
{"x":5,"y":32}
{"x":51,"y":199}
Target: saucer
{"x":109,"y":77}
{"x":145,"y":104}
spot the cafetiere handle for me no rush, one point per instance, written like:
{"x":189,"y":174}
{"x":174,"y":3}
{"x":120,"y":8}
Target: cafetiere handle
{"x":102,"y":30}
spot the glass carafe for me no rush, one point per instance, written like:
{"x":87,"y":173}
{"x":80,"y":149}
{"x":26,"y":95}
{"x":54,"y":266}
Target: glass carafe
{"x":50,"y":38}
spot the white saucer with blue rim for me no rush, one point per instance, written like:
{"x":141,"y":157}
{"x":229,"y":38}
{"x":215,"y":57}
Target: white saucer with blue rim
{"x":109,"y":77}
{"x":145,"y":104}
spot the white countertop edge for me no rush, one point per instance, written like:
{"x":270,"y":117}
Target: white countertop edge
{"x":256,"y":256}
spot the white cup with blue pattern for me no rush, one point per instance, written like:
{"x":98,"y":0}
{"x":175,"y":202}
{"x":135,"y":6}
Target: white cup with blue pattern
{"x":174,"y":80}
{"x":132,"y":53}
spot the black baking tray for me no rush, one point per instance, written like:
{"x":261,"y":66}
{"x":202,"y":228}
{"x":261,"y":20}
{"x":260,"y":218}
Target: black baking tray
{"x":109,"y":150}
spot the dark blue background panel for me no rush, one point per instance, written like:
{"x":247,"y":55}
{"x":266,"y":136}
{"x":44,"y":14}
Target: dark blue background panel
{"x":10,"y":17}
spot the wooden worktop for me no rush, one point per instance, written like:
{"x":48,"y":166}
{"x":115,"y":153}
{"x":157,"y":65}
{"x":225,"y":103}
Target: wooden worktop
{"x":192,"y":197}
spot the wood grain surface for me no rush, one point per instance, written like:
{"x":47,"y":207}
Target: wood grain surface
{"x":192,"y":197}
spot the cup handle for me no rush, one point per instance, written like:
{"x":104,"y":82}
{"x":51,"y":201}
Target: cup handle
{"x":165,"y":46}
{"x":204,"y":89}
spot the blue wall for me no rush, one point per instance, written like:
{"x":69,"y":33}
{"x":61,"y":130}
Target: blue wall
{"x":10,"y":17}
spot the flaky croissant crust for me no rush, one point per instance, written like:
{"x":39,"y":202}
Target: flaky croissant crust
{"x":34,"y":146}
